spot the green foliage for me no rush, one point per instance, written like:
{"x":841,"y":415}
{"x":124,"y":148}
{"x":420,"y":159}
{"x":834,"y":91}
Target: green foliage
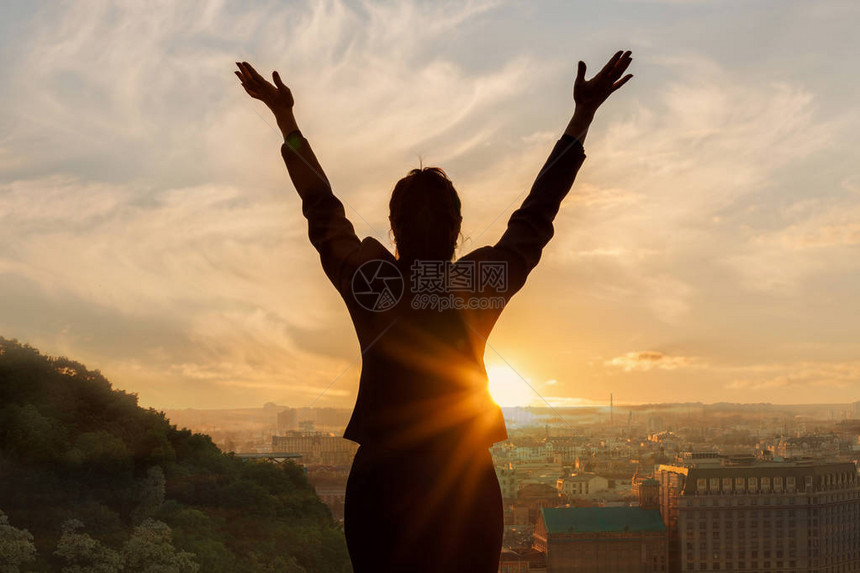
{"x":16,"y":546}
{"x":150,"y":495}
{"x":151,"y":550}
{"x":83,"y":554}
{"x":196,"y":531}
{"x":72,"y":447}
{"x":28,"y":435}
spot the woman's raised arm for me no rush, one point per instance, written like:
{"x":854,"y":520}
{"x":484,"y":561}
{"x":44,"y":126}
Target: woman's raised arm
{"x":330,"y":232}
{"x":530,"y":227}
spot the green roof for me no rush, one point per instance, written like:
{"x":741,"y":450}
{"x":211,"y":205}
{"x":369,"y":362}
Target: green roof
{"x":601,"y":519}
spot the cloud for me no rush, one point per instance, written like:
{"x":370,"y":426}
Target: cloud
{"x":816,"y":235}
{"x":803,"y":375}
{"x":154,"y":88}
{"x":816,"y":224}
{"x":646,"y":360}
{"x":141,"y":190}
{"x":672,"y":186}
{"x":161,"y":197}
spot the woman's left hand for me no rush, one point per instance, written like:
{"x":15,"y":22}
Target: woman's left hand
{"x":277,"y":97}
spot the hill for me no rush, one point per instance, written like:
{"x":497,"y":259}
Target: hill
{"x":74,"y":448}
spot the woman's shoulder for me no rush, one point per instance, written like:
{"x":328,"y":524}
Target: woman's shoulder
{"x":371,"y":248}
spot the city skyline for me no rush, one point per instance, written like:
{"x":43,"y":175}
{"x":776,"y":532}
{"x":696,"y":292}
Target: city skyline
{"x":707,"y":251}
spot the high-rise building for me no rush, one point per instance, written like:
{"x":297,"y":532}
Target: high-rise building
{"x":796,"y":516}
{"x":671,"y":480}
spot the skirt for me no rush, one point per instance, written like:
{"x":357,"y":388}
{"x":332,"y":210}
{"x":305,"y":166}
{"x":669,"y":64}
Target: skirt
{"x":430,"y":511}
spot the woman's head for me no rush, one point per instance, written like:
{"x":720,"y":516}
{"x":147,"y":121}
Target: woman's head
{"x":425,"y":215}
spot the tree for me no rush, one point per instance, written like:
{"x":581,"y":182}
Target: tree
{"x":73,"y":447}
{"x":83,"y":554}
{"x":150,"y":493}
{"x":16,"y":546}
{"x":151,"y":550}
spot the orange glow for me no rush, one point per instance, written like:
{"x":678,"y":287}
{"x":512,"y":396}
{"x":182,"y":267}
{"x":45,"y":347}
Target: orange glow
{"x":508,"y":388}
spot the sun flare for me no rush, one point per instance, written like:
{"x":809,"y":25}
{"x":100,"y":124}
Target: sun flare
{"x":508,"y":388}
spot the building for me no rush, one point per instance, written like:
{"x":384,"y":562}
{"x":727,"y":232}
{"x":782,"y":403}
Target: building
{"x":513,"y":562}
{"x":288,"y":420}
{"x":672,"y":479}
{"x":801,"y":516}
{"x":532,"y":497}
{"x":647,"y":490}
{"x":582,"y":485}
{"x":507,"y":477}
{"x":334,"y":496}
{"x":602,"y":540}
{"x":807,"y":447}
{"x":317,"y":447}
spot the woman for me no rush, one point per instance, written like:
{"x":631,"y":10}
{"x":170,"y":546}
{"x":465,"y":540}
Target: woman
{"x":422,"y":495}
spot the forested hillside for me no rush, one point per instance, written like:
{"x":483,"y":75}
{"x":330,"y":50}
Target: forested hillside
{"x":101,"y":484}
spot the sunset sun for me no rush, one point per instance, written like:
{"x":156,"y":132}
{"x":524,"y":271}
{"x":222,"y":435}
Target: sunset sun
{"x":508,"y":388}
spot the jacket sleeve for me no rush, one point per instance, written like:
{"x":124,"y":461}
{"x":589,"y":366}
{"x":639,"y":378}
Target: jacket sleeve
{"x":330,"y":232}
{"x":530,"y":227}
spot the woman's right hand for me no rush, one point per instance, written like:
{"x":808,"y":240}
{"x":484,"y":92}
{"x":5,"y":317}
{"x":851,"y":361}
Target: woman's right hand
{"x":277,"y":97}
{"x":590,"y":94}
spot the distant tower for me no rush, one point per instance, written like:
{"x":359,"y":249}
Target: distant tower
{"x":611,"y":421}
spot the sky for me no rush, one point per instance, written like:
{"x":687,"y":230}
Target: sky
{"x":708,"y":250}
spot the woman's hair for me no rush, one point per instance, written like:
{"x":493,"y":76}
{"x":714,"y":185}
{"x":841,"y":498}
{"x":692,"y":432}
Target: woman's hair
{"x":425,"y":215}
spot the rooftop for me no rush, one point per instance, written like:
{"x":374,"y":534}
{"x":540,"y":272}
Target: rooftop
{"x":601,"y":519}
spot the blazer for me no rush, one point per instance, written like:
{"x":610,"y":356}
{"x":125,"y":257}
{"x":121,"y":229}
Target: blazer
{"x":423,"y":325}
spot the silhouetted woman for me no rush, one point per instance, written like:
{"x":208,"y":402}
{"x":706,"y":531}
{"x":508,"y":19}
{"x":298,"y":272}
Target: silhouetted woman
{"x":422,"y":495}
